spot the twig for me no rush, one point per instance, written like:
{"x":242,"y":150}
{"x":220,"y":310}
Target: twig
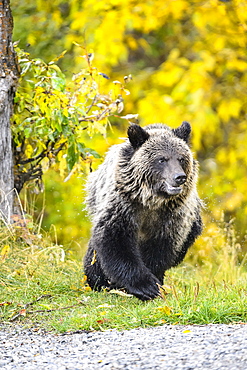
{"x":56,"y":309}
{"x":20,"y":313}
{"x":40,"y":155}
{"x":91,"y":105}
{"x":30,"y":304}
{"x":37,"y":300}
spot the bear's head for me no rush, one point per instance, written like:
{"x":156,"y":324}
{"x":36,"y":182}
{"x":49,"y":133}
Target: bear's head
{"x":161,"y":165}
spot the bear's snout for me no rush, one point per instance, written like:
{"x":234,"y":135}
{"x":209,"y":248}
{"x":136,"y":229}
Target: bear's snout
{"x":180,"y":178}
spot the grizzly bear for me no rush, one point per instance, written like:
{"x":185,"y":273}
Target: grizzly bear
{"x":145,"y":210}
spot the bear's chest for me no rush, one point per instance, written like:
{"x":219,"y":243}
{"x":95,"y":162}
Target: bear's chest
{"x":154,"y":223}
{"x":163,"y":224}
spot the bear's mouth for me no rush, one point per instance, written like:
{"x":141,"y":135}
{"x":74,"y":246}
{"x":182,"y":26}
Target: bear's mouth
{"x":173,"y":190}
{"x":166,"y":188}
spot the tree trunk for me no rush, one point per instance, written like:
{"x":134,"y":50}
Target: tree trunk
{"x":8,"y":82}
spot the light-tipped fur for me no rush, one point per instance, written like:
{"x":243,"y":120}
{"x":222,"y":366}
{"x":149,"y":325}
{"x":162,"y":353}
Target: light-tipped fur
{"x":145,"y":210}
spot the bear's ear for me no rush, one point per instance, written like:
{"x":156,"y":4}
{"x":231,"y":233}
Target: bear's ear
{"x":183,"y":131}
{"x":137,"y":136}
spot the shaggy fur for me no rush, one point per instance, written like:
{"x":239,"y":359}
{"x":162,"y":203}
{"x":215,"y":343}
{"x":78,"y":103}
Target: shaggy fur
{"x":145,"y":210}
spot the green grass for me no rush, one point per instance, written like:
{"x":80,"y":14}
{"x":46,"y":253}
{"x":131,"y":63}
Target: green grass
{"x":41,"y":286}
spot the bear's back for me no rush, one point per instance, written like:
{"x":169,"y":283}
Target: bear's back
{"x":101,"y":183}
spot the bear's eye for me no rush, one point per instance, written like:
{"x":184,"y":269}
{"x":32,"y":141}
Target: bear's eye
{"x":162,"y":160}
{"x":182,"y":161}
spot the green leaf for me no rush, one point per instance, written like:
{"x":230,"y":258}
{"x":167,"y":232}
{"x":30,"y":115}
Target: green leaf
{"x":71,"y":156}
{"x":25,"y":67}
{"x":81,"y":147}
{"x":92,"y":152}
{"x":27,"y":131}
{"x":58,"y":83}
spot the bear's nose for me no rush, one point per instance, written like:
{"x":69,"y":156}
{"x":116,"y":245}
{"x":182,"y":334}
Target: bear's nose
{"x":180,"y":178}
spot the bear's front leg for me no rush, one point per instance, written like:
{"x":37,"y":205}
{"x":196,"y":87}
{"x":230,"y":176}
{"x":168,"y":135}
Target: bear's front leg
{"x":93,"y":271}
{"x":114,"y":241}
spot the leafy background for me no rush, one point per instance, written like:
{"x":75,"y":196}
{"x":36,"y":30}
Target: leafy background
{"x":188,"y":62}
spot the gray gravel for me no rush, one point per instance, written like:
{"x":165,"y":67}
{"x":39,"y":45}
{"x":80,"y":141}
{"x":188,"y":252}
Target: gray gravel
{"x":167,"y":347}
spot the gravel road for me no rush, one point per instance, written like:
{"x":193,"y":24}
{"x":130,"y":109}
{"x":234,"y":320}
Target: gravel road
{"x":167,"y":347}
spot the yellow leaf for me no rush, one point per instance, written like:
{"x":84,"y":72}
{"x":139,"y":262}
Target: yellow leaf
{"x":186,"y":331}
{"x":165,"y":309}
{"x":94,"y":258}
{"x":87,"y":289}
{"x":46,"y":306}
{"x":106,"y":305}
{"x":4,"y":252}
{"x":55,"y":67}
{"x":120,"y":292}
{"x":84,"y":279}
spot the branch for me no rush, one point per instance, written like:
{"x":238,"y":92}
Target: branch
{"x":40,"y":155}
{"x":24,"y":312}
{"x":91,"y":105}
{"x":57,"y":309}
{"x":20,"y":313}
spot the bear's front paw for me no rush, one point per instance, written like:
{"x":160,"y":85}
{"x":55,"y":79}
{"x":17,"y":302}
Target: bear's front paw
{"x":145,"y":289}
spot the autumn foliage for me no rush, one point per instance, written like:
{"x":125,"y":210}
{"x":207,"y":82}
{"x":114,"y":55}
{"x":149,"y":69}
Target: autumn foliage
{"x":188,"y":62}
